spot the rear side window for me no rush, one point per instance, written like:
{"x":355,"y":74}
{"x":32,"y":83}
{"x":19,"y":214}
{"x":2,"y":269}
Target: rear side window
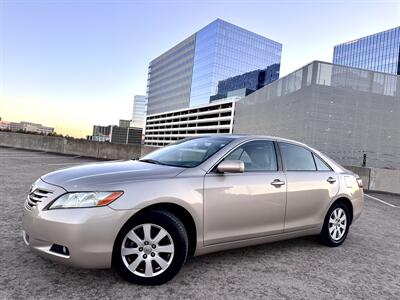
{"x":296,"y":158}
{"x":321,"y":166}
{"x":256,"y":156}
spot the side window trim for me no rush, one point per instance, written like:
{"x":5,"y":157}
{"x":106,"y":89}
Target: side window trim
{"x":277,"y":157}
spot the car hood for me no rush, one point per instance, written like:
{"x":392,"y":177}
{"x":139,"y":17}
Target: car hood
{"x":108,"y":174}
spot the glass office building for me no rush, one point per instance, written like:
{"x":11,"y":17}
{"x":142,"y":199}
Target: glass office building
{"x":377,"y":52}
{"x":188,"y":74}
{"x":139,"y":111}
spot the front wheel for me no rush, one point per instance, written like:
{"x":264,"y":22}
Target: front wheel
{"x":151,"y":248}
{"x":336,"y":225}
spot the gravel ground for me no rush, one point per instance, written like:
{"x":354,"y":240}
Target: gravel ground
{"x":366,"y":266}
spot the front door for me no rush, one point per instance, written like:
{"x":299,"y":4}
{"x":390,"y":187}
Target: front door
{"x":245,"y":205}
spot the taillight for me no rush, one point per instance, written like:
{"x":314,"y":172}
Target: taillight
{"x":359,"y":182}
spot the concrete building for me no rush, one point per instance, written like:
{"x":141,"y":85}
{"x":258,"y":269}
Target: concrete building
{"x":139,"y":111}
{"x":26,"y":127}
{"x":101,"y":130}
{"x":125,"y":123}
{"x":117,"y":134}
{"x":165,"y":128}
{"x":100,"y":133}
{"x":377,"y":52}
{"x":188,"y":74}
{"x":344,"y":112}
{"x":4,"y":125}
{"x":36,"y":128}
{"x":15,"y":126}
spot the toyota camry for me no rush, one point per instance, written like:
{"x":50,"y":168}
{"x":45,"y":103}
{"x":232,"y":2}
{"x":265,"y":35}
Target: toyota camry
{"x":199,"y":195}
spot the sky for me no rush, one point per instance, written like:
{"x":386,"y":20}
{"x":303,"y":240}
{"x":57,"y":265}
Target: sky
{"x":73,"y":64}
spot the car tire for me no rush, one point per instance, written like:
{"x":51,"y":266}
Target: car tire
{"x":156,"y":267}
{"x":336,"y":225}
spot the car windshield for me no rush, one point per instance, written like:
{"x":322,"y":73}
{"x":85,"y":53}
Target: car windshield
{"x":187,"y":153}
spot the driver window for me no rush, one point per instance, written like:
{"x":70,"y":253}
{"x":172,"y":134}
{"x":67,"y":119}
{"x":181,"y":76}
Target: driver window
{"x":256,"y":155}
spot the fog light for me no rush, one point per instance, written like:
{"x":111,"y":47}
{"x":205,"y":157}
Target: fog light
{"x":63,"y":250}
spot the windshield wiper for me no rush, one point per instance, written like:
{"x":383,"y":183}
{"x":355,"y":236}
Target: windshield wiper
{"x":151,"y":161}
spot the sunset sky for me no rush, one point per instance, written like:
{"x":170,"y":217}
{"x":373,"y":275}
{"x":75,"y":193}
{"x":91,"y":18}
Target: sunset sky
{"x":72,"y":64}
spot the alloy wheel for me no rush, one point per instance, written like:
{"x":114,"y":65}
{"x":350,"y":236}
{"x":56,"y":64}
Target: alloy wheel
{"x":147,"y":250}
{"x":337,"y":224}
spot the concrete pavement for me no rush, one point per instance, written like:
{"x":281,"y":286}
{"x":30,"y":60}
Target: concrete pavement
{"x":366,"y":266}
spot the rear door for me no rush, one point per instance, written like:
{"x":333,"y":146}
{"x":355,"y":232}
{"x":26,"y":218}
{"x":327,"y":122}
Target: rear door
{"x":311,"y":185}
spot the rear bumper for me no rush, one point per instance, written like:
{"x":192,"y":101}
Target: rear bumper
{"x":358,"y":205}
{"x":88,"y":233}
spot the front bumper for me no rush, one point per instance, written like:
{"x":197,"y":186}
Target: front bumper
{"x":88,"y":233}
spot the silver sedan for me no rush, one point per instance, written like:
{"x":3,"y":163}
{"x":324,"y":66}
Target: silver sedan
{"x":193,"y":197}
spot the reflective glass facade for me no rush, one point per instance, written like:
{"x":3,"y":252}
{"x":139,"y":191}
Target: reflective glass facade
{"x":188,"y":74}
{"x":170,"y":77}
{"x":225,"y":50}
{"x":378,"y":52}
{"x":242,"y":85}
{"x":139,"y":111}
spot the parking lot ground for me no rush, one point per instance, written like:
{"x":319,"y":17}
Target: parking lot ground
{"x":388,"y":199}
{"x":366,"y":266}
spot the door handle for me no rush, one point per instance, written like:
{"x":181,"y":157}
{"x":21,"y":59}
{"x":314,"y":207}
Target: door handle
{"x":331,"y":180}
{"x":277,"y":183}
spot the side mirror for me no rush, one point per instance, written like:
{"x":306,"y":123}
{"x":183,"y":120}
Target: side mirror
{"x":231,"y":166}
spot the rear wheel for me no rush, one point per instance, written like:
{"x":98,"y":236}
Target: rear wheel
{"x":336,"y":225}
{"x":151,"y":248}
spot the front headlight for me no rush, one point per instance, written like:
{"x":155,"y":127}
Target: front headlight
{"x":85,"y":199}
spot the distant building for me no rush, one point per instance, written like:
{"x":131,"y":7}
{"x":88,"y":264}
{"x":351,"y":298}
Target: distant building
{"x":377,"y":52}
{"x":125,"y":123}
{"x":101,"y":130}
{"x":126,"y":135}
{"x":139,"y":111}
{"x":15,"y":126}
{"x":101,"y":133}
{"x":188,"y":74}
{"x":28,"y":127}
{"x":116,"y":134}
{"x":135,"y":135}
{"x":4,"y":125}
{"x":36,"y":128}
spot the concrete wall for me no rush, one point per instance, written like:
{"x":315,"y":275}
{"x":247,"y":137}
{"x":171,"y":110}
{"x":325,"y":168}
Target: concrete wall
{"x":385,"y":180}
{"x":99,"y":150}
{"x":381,"y":180}
{"x":341,"y":111}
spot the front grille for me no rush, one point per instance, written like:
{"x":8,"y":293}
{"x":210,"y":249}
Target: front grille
{"x":37,"y":196}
